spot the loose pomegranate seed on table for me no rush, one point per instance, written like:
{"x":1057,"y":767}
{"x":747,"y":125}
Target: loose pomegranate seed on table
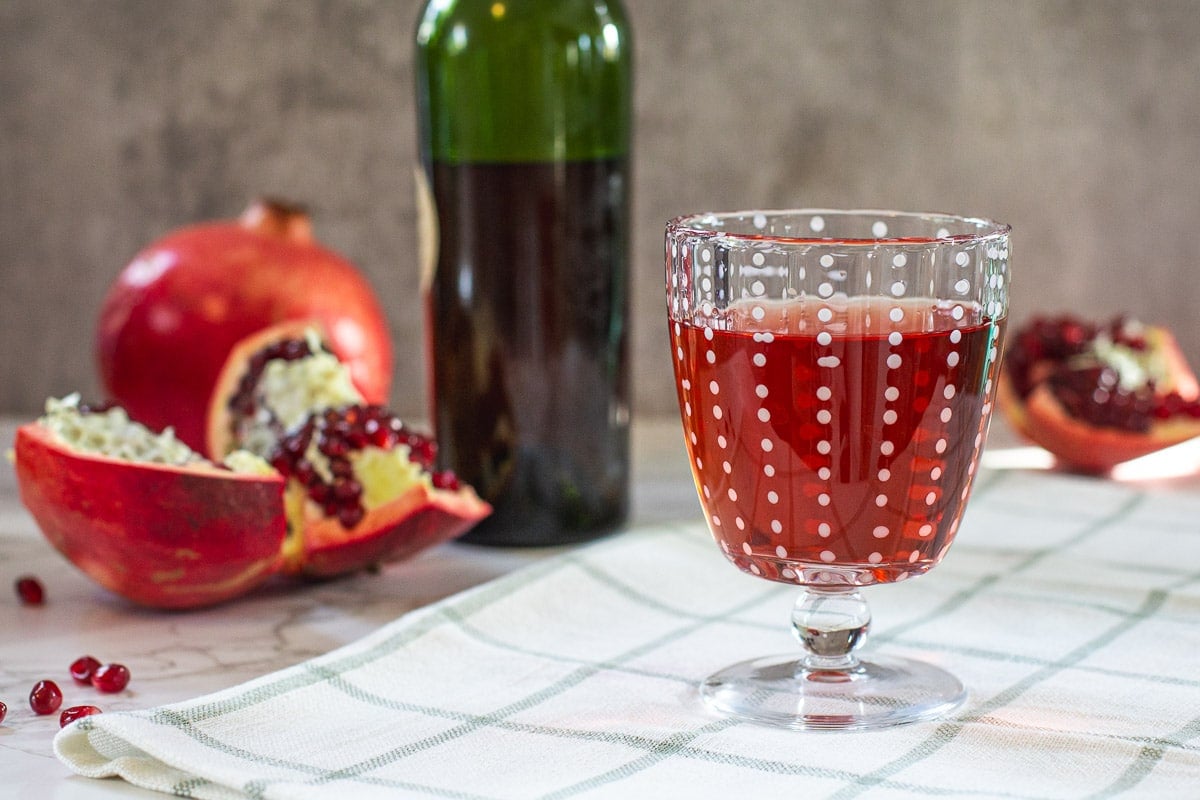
{"x":3,"y":711}
{"x":45,"y":697}
{"x":30,"y":591}
{"x":73,"y":713}
{"x":83,"y":668}
{"x":111,"y":678}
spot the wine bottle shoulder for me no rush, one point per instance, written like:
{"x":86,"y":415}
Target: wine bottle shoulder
{"x":510,"y":81}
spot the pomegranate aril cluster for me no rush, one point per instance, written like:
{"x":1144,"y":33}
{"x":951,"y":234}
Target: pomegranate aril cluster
{"x":1127,"y":333}
{"x":1174,"y":405}
{"x":243,"y":402}
{"x":1088,"y":388}
{"x":1045,"y":339}
{"x":1093,"y":394}
{"x":338,"y":432}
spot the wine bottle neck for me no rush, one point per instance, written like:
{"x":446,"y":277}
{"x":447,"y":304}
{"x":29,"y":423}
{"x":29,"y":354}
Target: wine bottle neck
{"x":521,"y":81}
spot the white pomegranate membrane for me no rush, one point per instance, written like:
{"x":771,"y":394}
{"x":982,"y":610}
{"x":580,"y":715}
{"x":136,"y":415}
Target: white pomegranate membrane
{"x":110,"y":432}
{"x":283,"y":385}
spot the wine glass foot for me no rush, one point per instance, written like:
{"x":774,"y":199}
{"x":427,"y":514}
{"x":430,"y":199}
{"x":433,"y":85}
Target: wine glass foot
{"x":878,"y":693}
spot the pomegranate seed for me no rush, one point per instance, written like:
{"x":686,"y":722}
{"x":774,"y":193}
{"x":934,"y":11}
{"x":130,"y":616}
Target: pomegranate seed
{"x":111,"y":678}
{"x":446,"y":479}
{"x":295,"y":349}
{"x":350,"y":516}
{"x":76,"y":712}
{"x":3,"y":711}
{"x":334,"y":447}
{"x":83,"y":668}
{"x":303,"y":471}
{"x":295,"y":445}
{"x":45,"y":697}
{"x":347,"y":489}
{"x":30,"y":590}
{"x":423,"y":451}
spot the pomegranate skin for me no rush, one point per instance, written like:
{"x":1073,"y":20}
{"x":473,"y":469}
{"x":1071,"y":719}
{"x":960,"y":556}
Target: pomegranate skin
{"x":1087,"y":448}
{"x":418,"y":519}
{"x":161,"y":536}
{"x":171,"y":318}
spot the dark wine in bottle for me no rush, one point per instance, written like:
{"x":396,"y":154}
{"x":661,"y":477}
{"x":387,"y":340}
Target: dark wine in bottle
{"x":524,"y":120}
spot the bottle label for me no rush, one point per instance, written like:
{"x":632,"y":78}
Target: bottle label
{"x":427,"y":228}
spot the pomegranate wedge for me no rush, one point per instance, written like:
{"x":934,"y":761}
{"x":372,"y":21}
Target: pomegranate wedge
{"x":362,"y":487}
{"x":169,"y":535}
{"x":1099,"y":395}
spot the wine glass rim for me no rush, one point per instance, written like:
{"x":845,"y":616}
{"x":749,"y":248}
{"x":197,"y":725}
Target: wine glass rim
{"x":700,"y":225}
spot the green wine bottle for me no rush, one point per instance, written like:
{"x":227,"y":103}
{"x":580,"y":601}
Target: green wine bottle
{"x":524,"y":113}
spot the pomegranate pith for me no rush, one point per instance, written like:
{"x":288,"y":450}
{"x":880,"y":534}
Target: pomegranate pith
{"x":45,"y":697}
{"x":243,"y":402}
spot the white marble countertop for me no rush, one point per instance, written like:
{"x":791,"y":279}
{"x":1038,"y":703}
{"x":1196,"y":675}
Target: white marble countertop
{"x":176,"y":656}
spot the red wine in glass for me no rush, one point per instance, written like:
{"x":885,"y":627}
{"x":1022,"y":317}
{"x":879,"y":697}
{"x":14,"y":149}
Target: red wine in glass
{"x":843,"y":437}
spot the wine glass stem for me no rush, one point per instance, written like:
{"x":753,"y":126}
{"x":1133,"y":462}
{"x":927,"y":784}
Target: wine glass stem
{"x":831,"y":624}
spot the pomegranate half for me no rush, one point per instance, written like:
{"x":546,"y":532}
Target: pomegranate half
{"x":1097,"y":395}
{"x":142,"y":514}
{"x":171,"y":318}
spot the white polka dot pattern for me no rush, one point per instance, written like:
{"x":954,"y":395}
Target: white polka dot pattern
{"x":826,"y":388}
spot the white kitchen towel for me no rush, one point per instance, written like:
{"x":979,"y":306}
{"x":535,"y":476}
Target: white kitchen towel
{"x":1070,"y":607}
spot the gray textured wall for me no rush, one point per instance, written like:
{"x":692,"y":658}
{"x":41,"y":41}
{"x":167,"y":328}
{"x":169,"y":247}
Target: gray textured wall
{"x":1078,"y":122}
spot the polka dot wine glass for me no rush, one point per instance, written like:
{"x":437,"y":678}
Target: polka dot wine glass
{"x":835,"y":372}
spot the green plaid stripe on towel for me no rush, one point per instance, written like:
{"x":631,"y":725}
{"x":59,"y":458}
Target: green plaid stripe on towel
{"x":1070,"y":608}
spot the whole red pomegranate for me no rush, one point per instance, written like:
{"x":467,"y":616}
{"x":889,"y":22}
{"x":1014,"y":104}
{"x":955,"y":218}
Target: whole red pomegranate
{"x":174,"y":313}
